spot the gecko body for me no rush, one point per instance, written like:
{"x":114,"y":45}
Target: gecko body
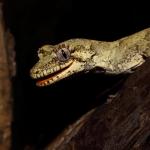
{"x":57,"y":62}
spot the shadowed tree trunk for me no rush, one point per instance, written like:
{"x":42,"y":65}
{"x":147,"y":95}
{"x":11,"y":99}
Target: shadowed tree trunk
{"x":122,"y":124}
{"x":7,"y":70}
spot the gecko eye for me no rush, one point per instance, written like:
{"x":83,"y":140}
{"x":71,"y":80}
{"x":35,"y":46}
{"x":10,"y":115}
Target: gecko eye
{"x":63,"y":54}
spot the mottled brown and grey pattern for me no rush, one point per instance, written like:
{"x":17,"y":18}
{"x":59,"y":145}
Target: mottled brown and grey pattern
{"x":75,"y":55}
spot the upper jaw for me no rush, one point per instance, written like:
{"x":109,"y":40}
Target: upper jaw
{"x":66,"y":70}
{"x":37,"y":73}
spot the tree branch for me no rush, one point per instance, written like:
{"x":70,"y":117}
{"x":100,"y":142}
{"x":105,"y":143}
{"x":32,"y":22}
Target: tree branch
{"x":122,"y":124}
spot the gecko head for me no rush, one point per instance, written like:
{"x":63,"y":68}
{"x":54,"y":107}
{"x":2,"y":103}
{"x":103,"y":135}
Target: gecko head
{"x":58,"y":62}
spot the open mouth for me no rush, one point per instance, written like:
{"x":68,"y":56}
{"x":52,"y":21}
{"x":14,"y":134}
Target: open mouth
{"x":53,"y":77}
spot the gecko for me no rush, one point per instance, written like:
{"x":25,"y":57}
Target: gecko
{"x":60,"y":61}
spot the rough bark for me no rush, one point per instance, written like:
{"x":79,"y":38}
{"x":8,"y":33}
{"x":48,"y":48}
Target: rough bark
{"x":6,"y":63}
{"x":122,"y":124}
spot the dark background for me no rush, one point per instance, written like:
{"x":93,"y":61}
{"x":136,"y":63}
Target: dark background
{"x":41,"y":113}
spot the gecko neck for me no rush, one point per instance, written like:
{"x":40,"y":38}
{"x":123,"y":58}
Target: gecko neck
{"x":123,"y":55}
{"x":104,"y":57}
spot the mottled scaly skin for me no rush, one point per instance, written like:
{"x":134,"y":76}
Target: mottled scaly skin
{"x":76,"y":55}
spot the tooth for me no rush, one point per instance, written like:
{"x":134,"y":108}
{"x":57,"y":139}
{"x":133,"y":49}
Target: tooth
{"x":65,"y":65}
{"x":58,"y":68}
{"x":34,"y":70}
{"x":42,"y":84}
{"x":55,"y":78}
{"x":41,"y":74}
{"x":50,"y":81}
{"x":45,"y":72}
{"x":45,"y":82}
{"x":52,"y":70}
{"x":34,"y":76}
{"x":39,"y":84}
{"x":38,"y":75}
{"x":62,"y":66}
{"x":55,"y":69}
{"x":48,"y":71}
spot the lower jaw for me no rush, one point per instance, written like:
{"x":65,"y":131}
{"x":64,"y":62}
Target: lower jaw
{"x":45,"y":83}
